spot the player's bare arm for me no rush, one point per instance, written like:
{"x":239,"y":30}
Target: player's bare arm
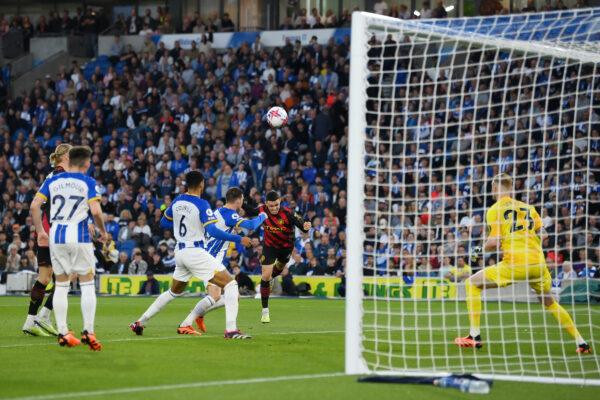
{"x":96,"y":211}
{"x":542,"y":233}
{"x":36,"y":214}
{"x":491,"y":244}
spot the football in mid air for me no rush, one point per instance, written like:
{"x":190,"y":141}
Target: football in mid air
{"x":277,"y":117}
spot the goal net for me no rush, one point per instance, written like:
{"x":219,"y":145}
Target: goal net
{"x":437,"y":109}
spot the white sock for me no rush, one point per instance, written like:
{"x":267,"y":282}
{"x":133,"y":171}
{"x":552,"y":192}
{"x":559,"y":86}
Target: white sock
{"x":265,"y":311}
{"x":88,"y":305}
{"x":160,"y":302}
{"x":475,"y":332}
{"x":579,"y":340}
{"x":198,"y":311}
{"x":61,"y":305}
{"x":218,"y":304}
{"x":29,"y":322}
{"x":231,"y":306}
{"x":44,"y":313}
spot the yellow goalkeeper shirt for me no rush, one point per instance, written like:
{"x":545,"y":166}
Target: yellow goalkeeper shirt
{"x":516,"y":224}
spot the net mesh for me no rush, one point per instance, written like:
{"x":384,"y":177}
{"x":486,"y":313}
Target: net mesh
{"x":449,"y":105}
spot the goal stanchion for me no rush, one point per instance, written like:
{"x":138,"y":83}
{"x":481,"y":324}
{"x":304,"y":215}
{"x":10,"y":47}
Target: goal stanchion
{"x":437,"y":109}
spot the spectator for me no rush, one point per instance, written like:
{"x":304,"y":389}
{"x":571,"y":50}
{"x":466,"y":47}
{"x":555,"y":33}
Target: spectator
{"x":169,"y":260}
{"x":156,"y":265}
{"x":150,"y":286}
{"x":110,"y":253}
{"x":314,"y":268}
{"x":122,"y":265}
{"x":134,"y":23}
{"x":461,"y":270}
{"x":243,"y":280}
{"x":286,"y":25}
{"x":227,"y":24}
{"x":13,"y":260}
{"x":530,"y":7}
{"x":116,"y":50}
{"x":138,"y":266}
{"x":380,"y":7}
{"x":257,"y":46}
{"x":25,"y":264}
{"x":439,"y":11}
{"x":426,"y":12}
{"x":296,"y":265}
{"x":28,"y":30}
{"x":89,"y":27}
{"x":288,"y":286}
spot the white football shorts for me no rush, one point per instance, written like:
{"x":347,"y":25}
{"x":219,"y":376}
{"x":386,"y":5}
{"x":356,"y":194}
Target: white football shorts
{"x":73,"y":258}
{"x":195,"y":261}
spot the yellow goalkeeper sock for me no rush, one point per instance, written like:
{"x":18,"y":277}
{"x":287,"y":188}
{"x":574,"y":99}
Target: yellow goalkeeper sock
{"x":564,"y":319}
{"x":474,"y":307}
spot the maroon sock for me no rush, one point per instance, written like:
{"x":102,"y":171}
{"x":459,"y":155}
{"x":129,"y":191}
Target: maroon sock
{"x":265,"y":292}
{"x":276,"y":272}
{"x":38,"y":291}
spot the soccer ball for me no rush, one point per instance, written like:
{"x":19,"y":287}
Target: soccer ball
{"x":277,"y":117}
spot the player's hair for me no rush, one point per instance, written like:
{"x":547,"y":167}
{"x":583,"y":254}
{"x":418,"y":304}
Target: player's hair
{"x":194,"y":179}
{"x":503,"y":180}
{"x":272,"y":196}
{"x":233,"y":194}
{"x":59,"y":152}
{"x":78,"y":155}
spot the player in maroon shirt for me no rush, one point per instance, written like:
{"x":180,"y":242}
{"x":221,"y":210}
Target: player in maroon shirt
{"x":279,"y":236}
{"x":41,"y":324}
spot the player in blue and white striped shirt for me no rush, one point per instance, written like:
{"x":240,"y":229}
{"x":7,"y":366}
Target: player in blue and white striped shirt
{"x":72,"y":197}
{"x":227,"y":219}
{"x":191,"y":217}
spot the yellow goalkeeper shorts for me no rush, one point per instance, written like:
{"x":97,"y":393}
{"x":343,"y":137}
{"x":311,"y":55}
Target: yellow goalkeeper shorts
{"x":537,"y":276}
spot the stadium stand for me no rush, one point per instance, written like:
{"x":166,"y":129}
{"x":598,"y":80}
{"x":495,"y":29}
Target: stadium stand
{"x":150,"y":116}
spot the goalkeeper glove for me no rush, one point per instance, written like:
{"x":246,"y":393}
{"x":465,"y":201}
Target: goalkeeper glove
{"x":476,"y":254}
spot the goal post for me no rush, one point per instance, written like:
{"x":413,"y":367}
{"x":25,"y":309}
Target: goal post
{"x":436,"y":109}
{"x":355,"y":207}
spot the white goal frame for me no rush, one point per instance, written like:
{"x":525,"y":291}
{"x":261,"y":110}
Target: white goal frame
{"x":355,"y":364}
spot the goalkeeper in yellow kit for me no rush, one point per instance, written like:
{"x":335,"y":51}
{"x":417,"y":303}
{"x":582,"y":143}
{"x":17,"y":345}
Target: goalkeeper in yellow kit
{"x":517,"y":228}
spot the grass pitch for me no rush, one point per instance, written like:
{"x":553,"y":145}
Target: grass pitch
{"x":300,"y":355}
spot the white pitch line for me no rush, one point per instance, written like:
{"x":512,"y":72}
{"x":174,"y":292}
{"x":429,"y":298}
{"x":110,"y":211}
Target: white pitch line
{"x":133,"y":339}
{"x":177,"y":386}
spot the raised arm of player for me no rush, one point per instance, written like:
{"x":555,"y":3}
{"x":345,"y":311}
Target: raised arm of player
{"x":542,"y":233}
{"x":167,"y":219}
{"x":300,"y":223}
{"x":253,"y":224}
{"x":215,"y":232}
{"x":538,"y":225}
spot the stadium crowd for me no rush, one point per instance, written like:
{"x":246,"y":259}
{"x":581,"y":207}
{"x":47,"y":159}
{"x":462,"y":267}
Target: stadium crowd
{"x":151,"y":116}
{"x":444,"y":133}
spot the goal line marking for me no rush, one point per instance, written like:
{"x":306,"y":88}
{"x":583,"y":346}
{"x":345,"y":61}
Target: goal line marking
{"x":177,"y":386}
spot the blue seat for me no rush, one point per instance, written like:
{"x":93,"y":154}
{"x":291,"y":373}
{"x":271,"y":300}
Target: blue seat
{"x":127,"y":247}
{"x":53,"y":140}
{"x":16,"y":134}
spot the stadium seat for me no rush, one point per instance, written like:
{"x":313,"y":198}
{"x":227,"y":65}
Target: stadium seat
{"x":53,"y":140}
{"x":127,"y":247}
